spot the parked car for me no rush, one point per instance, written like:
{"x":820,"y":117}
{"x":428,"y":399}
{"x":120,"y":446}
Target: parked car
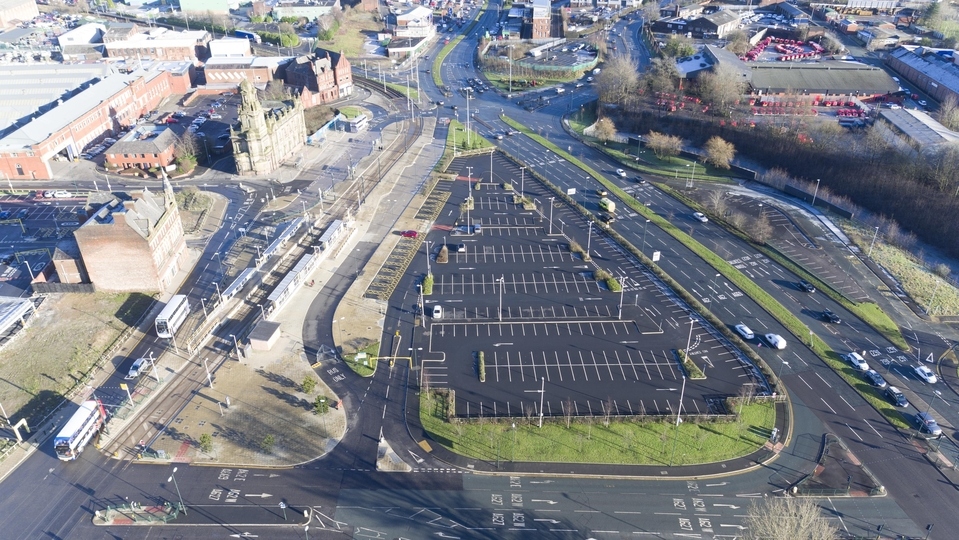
{"x":806,"y":286}
{"x":5,"y":214}
{"x":875,"y":378}
{"x":22,"y":213}
{"x":830,"y":317}
{"x":775,"y":341}
{"x":925,"y":374}
{"x":896,"y":396}
{"x":926,"y":423}
{"x":62,"y":193}
{"x":409,"y":234}
{"x":216,"y":117}
{"x":744,"y":331}
{"x":461,"y":248}
{"x":700,"y":217}
{"x":137,"y":369}
{"x":437,"y":311}
{"x":856,"y":361}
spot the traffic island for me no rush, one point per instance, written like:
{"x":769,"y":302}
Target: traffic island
{"x":135,"y":514}
{"x":839,"y":473}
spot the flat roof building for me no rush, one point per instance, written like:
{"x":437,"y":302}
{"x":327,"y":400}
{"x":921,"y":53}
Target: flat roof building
{"x":831,"y":78}
{"x":14,"y":11}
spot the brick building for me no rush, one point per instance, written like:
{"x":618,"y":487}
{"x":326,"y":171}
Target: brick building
{"x":538,"y":20}
{"x":90,"y":115}
{"x":146,"y":147}
{"x":162,"y":44}
{"x":14,"y":11}
{"x":259,"y":70}
{"x":133,"y":245}
{"x":327,"y":75}
{"x":265,"y":137}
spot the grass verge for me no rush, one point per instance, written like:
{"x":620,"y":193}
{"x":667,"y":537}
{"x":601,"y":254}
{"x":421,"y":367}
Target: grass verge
{"x":650,"y":441}
{"x":748,"y":286}
{"x":350,"y":111}
{"x":408,"y":92}
{"x":365,"y":368}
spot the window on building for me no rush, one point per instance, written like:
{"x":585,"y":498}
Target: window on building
{"x":19,"y":170}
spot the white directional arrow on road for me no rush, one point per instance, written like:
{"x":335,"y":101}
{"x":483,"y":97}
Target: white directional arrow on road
{"x":544,"y":501}
{"x":501,"y":344}
{"x":540,"y":481}
{"x":244,"y":535}
{"x":553,"y":521}
{"x":733,"y":506}
{"x":271,"y":476}
{"x":740,"y":527}
{"x":261,"y":495}
{"x":719,"y":484}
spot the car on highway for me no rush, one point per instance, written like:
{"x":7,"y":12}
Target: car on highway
{"x":830,"y":317}
{"x":437,"y":311}
{"x":775,"y":341}
{"x":499,"y":136}
{"x":607,"y":218}
{"x":856,"y":360}
{"x":926,"y":423}
{"x":640,"y":180}
{"x":806,"y":286}
{"x":896,"y":396}
{"x":137,"y":369}
{"x":602,"y":192}
{"x":875,"y":378}
{"x":621,"y":173}
{"x":925,"y":374}
{"x":409,"y":234}
{"x":700,"y":217}
{"x":744,"y":331}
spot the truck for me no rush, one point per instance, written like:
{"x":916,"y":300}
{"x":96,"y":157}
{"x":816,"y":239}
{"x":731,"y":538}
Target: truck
{"x":607,"y":205}
{"x":252,"y":36}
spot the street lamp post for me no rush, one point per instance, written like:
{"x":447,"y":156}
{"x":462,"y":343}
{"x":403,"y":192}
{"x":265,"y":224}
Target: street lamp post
{"x":644,"y":236}
{"x":933,"y":300}
{"x":429,"y":271}
{"x":522,"y":178}
{"x":177,"y":486}
{"x":551,"y":215}
{"x":871,"y":244}
{"x":814,"y":193}
{"x":236,"y":345}
{"x":542,"y":393}
{"x":502,"y":283}
{"x":589,"y":238}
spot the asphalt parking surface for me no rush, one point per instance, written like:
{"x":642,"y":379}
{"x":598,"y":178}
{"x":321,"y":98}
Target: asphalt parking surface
{"x":547,"y":328}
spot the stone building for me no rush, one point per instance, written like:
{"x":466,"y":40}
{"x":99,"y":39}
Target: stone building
{"x":327,"y":75}
{"x":133,"y":245}
{"x":265,"y":137}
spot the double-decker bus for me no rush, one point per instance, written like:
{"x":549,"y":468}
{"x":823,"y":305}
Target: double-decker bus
{"x":78,"y":431}
{"x":172,"y":316}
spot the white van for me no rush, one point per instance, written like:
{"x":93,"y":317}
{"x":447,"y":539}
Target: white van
{"x":437,"y":311}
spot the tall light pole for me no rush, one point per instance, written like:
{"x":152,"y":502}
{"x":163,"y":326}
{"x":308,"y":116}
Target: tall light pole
{"x":622,"y":291}
{"x":177,"y":486}
{"x":522,"y":178}
{"x":551,"y":215}
{"x":468,"y":94}
{"x":933,"y":301}
{"x":502,"y":283}
{"x":589,"y":238}
{"x":542,"y":393}
{"x":814,"y":193}
{"x":873,"y":242}
{"x":510,"y":69}
{"x":644,"y":236}
{"x":236,"y":345}
{"x":429,"y":272}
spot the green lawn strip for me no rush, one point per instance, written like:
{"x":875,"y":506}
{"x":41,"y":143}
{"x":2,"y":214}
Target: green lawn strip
{"x":749,"y":287}
{"x":362,"y":370}
{"x":350,"y":111}
{"x":869,"y":312}
{"x":457,"y":134}
{"x":588,"y":440}
{"x":408,"y":92}
{"x":674,"y":166}
{"x":441,"y":56}
{"x":582,"y":120}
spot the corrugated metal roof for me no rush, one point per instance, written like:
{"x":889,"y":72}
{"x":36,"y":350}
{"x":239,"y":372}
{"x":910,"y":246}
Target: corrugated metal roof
{"x":24,"y":89}
{"x":919,"y":127}
{"x":940,"y":69}
{"x":832,"y":77}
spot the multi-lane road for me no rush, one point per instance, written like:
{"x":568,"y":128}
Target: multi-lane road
{"x":343,"y":493}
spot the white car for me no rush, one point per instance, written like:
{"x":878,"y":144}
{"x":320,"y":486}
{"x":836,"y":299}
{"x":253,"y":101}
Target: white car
{"x":60,"y":193}
{"x":437,"y":311}
{"x":925,"y":374}
{"x":744,"y":331}
{"x":621,"y":172}
{"x":775,"y":341}
{"x":856,"y":361}
{"x":700,"y":217}
{"x":138,"y":367}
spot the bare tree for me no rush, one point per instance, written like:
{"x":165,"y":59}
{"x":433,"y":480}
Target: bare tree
{"x":737,"y":220}
{"x":530,"y":412}
{"x":761,"y":229}
{"x":185,"y":148}
{"x":651,"y":11}
{"x":722,"y":87}
{"x":568,"y":411}
{"x":717,"y":201}
{"x":605,"y":129}
{"x":787,"y":518}
{"x":738,"y":42}
{"x":607,"y":410}
{"x":661,"y":76}
{"x":664,"y":146}
{"x":617,"y":80}
{"x":719,"y":153}
{"x":949,"y":112}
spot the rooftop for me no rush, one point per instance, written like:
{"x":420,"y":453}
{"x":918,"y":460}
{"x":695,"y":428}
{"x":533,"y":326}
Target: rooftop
{"x":27,"y":88}
{"x":142,"y":212}
{"x":832,"y":76}
{"x":145,"y":139}
{"x":936,"y":64}
{"x":919,"y":127}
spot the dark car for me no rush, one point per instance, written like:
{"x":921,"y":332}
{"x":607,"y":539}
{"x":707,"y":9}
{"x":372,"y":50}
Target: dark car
{"x":640,"y":180}
{"x":806,"y":286}
{"x":896,"y":396}
{"x":607,"y":218}
{"x":5,"y":214}
{"x":830,"y":317}
{"x":875,"y":378}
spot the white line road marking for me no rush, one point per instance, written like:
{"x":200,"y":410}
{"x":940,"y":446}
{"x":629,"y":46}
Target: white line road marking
{"x":830,"y":408}
{"x":874,"y":429}
{"x":847,"y":403}
{"x":853,"y":431}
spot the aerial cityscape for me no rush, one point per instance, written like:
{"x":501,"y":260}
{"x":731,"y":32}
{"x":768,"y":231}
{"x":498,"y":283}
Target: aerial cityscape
{"x":462,"y":269}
